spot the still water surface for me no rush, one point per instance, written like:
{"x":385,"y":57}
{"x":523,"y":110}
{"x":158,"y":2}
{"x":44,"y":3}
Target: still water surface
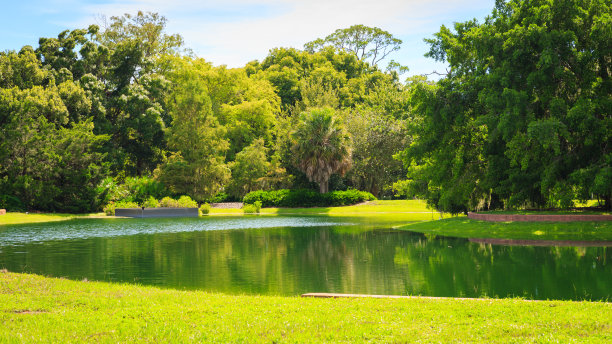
{"x":294,"y":255}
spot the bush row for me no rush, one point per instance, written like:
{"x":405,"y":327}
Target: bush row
{"x":306,"y":198}
{"x":166,"y":202}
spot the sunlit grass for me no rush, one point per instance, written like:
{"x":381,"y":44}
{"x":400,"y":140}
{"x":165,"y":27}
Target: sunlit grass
{"x":39,"y":309}
{"x":408,"y":210}
{"x":15,"y":218}
{"x":465,"y":228}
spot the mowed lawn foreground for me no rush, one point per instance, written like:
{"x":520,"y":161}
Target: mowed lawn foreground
{"x":39,"y":309}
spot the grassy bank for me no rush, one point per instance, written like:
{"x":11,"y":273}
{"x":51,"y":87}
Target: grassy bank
{"x":38,"y":309}
{"x":405,"y":210}
{"x":16,"y":218}
{"x":411,"y":210}
{"x":463,"y":227}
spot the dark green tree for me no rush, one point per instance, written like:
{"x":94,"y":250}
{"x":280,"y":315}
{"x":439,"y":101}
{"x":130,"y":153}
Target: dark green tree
{"x":523,"y":117}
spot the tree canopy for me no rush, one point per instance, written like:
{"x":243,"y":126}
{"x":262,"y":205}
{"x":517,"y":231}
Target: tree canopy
{"x":523,"y":118}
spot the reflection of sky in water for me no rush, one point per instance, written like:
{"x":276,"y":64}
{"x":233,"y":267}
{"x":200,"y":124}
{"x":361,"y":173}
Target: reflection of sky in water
{"x":96,"y":228}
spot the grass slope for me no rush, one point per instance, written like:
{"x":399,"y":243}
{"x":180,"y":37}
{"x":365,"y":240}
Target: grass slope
{"x":17,"y":218}
{"x":407,"y":210}
{"x":463,"y":227}
{"x":39,"y":309}
{"x":404,"y":210}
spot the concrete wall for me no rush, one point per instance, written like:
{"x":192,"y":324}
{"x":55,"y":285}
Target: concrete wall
{"x":157,"y":212}
{"x":537,"y":218}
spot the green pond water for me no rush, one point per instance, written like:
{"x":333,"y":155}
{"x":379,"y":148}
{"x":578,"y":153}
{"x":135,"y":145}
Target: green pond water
{"x":294,"y":255}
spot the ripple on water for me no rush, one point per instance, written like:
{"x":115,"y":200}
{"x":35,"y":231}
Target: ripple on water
{"x":96,"y":228}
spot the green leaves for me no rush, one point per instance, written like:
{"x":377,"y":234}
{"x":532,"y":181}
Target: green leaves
{"x":530,"y":76}
{"x":321,"y":146}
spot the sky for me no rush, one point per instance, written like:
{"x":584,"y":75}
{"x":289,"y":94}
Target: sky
{"x":234,"y":32}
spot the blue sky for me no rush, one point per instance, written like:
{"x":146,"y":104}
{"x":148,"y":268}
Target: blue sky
{"x":233,"y":32}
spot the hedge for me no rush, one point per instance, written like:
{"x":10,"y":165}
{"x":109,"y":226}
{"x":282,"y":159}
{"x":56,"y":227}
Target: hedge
{"x":306,"y":198}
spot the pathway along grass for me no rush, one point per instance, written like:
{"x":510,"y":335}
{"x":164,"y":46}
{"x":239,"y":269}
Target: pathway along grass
{"x":39,"y":309}
{"x":462,"y":227}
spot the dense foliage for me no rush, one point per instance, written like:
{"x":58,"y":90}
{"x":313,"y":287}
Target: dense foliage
{"x":524,"y":116}
{"x":307,"y":198}
{"x":126,"y":113}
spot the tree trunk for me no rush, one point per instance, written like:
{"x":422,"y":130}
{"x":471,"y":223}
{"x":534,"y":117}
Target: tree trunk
{"x":324,"y":186}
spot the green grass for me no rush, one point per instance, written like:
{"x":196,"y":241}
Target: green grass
{"x":17,"y":218}
{"x":39,"y":309}
{"x":465,"y":228}
{"x":399,"y":210}
{"x":548,"y":212}
{"x":407,"y":210}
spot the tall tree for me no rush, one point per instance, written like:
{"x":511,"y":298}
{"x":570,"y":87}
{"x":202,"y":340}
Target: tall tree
{"x":523,"y":117}
{"x":365,"y":42}
{"x":321,"y":146}
{"x":377,"y":137}
{"x":196,"y":166}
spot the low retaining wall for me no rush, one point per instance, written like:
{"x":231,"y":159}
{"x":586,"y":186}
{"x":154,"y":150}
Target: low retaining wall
{"x":2,"y":211}
{"x":537,"y":218}
{"x":157,"y":212}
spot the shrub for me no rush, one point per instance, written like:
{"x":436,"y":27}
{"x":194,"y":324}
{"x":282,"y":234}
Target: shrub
{"x":219,"y":197}
{"x":168,"y":202}
{"x":205,"y":209}
{"x":187,"y":202}
{"x":135,"y":189}
{"x":11,"y":203}
{"x":250,"y":209}
{"x":306,"y":198}
{"x":151,"y":203}
{"x":109,"y":209}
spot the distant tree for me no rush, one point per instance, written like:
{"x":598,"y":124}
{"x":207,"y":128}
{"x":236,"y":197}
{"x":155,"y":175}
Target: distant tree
{"x":377,"y":137}
{"x":196,"y":166}
{"x":365,"y":42}
{"x":321,"y":146}
{"x":249,"y":169}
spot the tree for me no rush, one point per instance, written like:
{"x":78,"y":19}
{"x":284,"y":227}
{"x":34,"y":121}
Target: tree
{"x":523,"y":117}
{"x":196,"y":166}
{"x":363,"y":41}
{"x":249,"y":169}
{"x":321,"y":146}
{"x":376,"y":139}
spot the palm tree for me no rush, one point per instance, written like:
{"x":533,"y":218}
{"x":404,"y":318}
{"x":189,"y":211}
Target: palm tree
{"x":321,"y":146}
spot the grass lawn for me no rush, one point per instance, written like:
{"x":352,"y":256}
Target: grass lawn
{"x":15,"y":218}
{"x":404,"y":210}
{"x":465,"y":228}
{"x":39,"y":309}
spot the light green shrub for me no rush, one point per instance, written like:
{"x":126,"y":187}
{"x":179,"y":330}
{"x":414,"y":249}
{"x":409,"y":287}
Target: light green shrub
{"x":205,"y":209}
{"x":187,"y":202}
{"x":168,"y":202}
{"x":109,"y":209}
{"x":151,"y":202}
{"x":250,"y":209}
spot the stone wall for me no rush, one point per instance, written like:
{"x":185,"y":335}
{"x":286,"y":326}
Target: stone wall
{"x":537,"y":218}
{"x":2,"y":211}
{"x":157,"y":212}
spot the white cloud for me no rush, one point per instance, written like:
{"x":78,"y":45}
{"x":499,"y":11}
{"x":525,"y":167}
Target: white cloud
{"x":234,"y":32}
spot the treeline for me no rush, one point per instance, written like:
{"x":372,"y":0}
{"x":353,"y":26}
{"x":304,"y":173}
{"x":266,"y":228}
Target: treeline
{"x":521,"y":119}
{"x":90,"y":111}
{"x":524,"y":116}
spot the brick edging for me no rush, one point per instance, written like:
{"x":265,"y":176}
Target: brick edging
{"x":537,"y":218}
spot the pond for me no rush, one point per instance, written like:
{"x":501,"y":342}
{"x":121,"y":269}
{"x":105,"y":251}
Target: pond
{"x":293,"y":255}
